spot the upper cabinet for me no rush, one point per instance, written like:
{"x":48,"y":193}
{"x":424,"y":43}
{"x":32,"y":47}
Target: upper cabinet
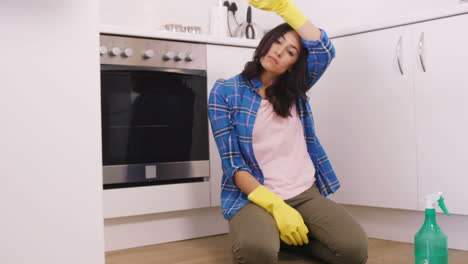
{"x":222,"y":62}
{"x":391,"y":113}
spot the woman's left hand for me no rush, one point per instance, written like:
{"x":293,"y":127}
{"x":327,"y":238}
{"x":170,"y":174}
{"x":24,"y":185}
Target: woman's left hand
{"x":285,"y":8}
{"x":268,"y":5}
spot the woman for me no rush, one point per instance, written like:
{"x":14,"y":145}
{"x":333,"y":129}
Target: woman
{"x":275,"y":173}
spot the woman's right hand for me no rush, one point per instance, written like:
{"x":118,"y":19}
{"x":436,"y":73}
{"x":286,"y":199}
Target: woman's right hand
{"x":289,"y":222}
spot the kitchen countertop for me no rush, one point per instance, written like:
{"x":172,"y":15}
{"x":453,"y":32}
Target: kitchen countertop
{"x":203,"y":38}
{"x":159,"y":34}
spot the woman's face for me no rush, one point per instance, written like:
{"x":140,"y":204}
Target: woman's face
{"x":283,"y":53}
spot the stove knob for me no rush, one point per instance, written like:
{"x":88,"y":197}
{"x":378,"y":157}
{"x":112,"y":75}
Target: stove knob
{"x":102,"y":50}
{"x":115,"y":51}
{"x":168,"y":56}
{"x":180,"y":56}
{"x":127,"y":52}
{"x":189,"y":57}
{"x":148,"y":54}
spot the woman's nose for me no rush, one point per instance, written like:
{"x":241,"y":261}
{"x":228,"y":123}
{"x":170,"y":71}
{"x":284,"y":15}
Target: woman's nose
{"x":279,"y":50}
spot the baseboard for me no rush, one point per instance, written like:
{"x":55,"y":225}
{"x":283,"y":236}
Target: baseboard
{"x":379,"y":223}
{"x":143,"y":230}
{"x":402,"y":225}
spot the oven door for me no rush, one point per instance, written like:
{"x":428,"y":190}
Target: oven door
{"x":154,"y":126}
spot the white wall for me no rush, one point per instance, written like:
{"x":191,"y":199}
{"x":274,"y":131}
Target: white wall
{"x":50,"y":160}
{"x":334,"y":16}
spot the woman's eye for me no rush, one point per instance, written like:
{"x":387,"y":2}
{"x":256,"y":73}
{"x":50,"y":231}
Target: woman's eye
{"x":291,"y":53}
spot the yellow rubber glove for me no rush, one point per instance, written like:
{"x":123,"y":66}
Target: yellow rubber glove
{"x":285,"y":8}
{"x":289,"y":222}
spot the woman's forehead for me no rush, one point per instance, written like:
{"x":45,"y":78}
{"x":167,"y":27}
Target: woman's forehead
{"x":292,"y":38}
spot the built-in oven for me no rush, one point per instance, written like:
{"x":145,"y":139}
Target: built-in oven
{"x":154,"y":111}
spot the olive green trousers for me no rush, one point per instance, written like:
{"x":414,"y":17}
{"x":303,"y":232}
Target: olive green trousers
{"x":335,"y":237}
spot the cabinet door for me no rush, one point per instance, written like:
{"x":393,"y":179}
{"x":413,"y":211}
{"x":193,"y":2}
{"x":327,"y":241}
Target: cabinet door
{"x":442,"y":110}
{"x":222,"y":62}
{"x":364,"y":112}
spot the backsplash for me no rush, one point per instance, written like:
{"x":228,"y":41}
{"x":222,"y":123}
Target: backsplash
{"x":151,"y":14}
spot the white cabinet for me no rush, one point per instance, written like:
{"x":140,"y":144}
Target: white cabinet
{"x":364,"y":114}
{"x":392,"y":138}
{"x":222,"y":62}
{"x":442,"y":110}
{"x":50,"y":139}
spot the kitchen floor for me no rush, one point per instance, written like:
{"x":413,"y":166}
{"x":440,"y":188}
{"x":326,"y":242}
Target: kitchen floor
{"x":215,"y":250}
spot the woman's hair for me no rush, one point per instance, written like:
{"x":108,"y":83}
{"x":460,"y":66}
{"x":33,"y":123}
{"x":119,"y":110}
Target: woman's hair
{"x":288,"y":86}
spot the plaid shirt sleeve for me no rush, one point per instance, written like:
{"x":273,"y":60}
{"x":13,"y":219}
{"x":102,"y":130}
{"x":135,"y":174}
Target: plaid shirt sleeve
{"x":219,"y":112}
{"x":321,"y":53}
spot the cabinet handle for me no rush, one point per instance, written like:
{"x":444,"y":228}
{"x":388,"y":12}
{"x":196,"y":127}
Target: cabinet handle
{"x":398,"y":50}
{"x":421,"y":52}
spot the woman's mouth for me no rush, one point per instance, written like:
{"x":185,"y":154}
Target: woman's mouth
{"x":272,"y":59}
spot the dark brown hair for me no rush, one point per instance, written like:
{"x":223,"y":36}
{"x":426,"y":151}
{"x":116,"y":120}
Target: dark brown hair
{"x":288,"y":86}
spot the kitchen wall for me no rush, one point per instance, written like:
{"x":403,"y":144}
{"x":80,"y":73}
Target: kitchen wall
{"x":50,"y":155}
{"x":334,"y":16}
{"x":151,"y":14}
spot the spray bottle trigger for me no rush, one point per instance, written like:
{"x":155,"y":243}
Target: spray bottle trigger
{"x":442,"y":205}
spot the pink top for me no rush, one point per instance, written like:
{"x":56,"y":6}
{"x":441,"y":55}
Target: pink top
{"x":281,"y":151}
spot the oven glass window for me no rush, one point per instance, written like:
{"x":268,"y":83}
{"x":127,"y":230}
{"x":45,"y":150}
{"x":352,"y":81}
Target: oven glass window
{"x":150,"y":116}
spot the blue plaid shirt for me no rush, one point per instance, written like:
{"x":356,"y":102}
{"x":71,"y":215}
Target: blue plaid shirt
{"x":232,"y":109}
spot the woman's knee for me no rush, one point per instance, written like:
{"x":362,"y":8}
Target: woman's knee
{"x":255,"y":237}
{"x":352,"y":249}
{"x":247,"y":252}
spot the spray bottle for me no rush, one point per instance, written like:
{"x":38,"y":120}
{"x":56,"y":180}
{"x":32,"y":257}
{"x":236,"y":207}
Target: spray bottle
{"x":430,"y":243}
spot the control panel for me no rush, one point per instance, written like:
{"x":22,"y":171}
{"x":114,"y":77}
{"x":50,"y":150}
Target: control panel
{"x":134,"y":51}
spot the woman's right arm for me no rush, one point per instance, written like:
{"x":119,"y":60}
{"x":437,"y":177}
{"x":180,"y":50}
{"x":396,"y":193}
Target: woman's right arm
{"x":222,"y":125}
{"x":245,"y":181}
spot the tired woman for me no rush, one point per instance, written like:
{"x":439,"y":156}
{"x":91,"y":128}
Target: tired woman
{"x":276,"y":175}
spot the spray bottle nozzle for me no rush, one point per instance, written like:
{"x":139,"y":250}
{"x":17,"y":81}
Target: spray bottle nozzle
{"x":431,"y":200}
{"x":442,"y":205}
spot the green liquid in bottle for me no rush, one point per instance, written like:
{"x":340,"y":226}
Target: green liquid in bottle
{"x":430,"y":243}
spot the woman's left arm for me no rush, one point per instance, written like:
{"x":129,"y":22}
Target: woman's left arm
{"x":309,"y":31}
{"x":320,"y":54}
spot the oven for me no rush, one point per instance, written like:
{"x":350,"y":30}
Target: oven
{"x":153,"y":111}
